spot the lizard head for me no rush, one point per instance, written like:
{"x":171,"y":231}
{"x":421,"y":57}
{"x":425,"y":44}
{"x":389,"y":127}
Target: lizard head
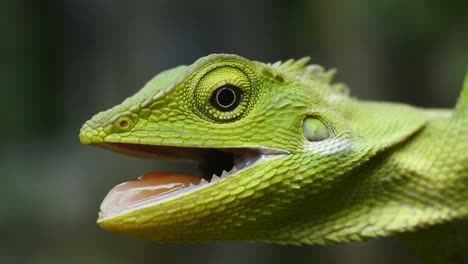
{"x":270,"y":139}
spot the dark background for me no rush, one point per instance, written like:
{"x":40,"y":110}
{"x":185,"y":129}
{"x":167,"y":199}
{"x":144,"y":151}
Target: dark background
{"x":63,"y":61}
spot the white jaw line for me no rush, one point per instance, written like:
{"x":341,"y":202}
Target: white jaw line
{"x":328,"y":147}
{"x":238,"y":167}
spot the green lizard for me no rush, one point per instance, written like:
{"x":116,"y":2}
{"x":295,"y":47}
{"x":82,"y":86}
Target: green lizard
{"x":286,"y":157}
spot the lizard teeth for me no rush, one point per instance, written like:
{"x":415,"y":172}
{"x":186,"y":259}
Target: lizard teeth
{"x":203,"y":181}
{"x":215,"y":178}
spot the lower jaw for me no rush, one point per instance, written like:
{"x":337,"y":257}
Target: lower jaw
{"x":151,"y":189}
{"x":156,"y":187}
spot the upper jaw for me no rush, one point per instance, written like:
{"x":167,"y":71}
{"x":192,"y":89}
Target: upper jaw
{"x":211,"y":161}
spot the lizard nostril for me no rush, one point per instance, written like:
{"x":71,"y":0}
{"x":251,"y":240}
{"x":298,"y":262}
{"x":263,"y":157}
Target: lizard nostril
{"x":123,"y":124}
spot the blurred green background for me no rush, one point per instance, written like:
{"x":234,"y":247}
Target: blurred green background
{"x":63,"y":61}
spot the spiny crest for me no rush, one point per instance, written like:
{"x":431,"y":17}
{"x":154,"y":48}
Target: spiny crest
{"x":308,"y":73}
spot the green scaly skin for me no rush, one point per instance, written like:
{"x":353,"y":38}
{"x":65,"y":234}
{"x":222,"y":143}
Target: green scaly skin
{"x":372,"y":170}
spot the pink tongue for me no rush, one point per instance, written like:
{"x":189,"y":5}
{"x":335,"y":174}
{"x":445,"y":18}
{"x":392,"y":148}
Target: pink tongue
{"x":147,"y":186}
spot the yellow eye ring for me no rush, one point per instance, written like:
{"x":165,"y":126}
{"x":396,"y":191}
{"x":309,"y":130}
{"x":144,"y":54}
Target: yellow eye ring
{"x":225,"y":94}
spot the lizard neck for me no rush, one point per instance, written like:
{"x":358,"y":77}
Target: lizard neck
{"x":433,"y":164}
{"x":435,"y":167}
{"x":412,"y":185}
{"x":428,"y":173}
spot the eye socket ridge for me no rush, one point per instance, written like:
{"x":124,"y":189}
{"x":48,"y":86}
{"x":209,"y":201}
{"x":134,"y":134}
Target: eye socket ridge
{"x":226,"y":98}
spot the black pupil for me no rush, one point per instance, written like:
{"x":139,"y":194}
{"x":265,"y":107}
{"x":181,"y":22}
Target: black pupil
{"x":226,"y":98}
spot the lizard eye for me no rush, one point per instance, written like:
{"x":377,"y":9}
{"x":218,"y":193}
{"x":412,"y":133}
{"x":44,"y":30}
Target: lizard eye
{"x":226,"y":98}
{"x":224,"y":93}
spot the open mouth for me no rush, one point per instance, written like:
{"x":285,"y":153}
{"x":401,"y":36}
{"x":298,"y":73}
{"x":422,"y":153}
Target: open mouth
{"x":156,"y":187}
